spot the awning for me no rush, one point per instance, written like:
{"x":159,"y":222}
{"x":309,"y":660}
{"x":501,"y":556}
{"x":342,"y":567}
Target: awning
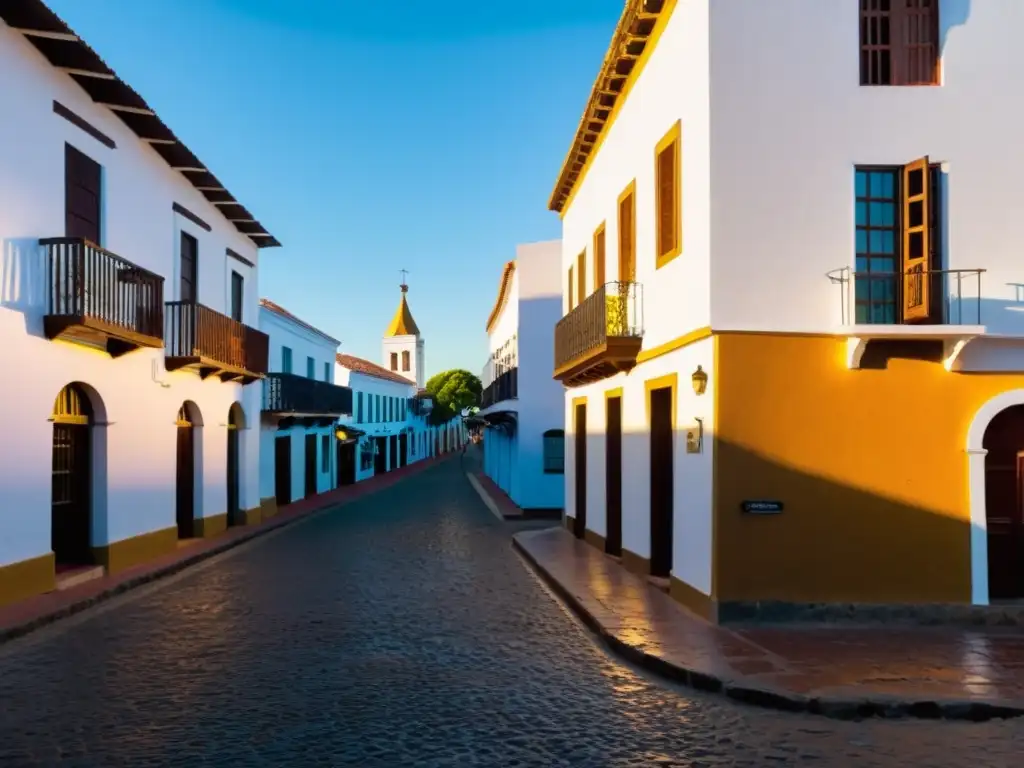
{"x":506,"y":421}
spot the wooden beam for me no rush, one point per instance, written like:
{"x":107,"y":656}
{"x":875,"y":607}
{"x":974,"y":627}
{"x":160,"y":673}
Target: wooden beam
{"x":66,"y":36}
{"x":88,"y":73}
{"x":125,"y":108}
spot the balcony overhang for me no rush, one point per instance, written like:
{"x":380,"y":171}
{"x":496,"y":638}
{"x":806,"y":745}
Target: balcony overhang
{"x":614,"y":355}
{"x":113,"y":339}
{"x":307,"y":422}
{"x":504,"y":421}
{"x":941,"y":343}
{"x":207,"y":366}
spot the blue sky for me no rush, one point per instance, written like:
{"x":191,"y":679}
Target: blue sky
{"x":371,"y":137}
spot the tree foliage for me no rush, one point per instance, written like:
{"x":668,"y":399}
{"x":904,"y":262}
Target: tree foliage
{"x":453,"y":391}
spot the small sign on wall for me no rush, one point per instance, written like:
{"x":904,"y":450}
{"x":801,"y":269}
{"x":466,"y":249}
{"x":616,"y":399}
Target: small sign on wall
{"x":762,"y":507}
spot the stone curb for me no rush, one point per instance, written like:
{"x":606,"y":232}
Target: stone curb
{"x":15,"y":631}
{"x":750,"y":693}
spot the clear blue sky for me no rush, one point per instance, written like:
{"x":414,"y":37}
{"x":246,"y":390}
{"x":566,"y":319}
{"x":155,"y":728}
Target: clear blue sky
{"x":370,"y":137}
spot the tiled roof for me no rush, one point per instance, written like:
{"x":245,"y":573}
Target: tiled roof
{"x":365,"y":367}
{"x":279,"y":310}
{"x":66,"y":51}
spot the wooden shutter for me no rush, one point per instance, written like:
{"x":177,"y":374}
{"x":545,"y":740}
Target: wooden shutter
{"x":666,"y":200}
{"x":581,"y":277}
{"x":571,"y":286}
{"x":915,"y":193}
{"x":599,"y":257}
{"x":627,"y":238}
{"x":899,"y":42}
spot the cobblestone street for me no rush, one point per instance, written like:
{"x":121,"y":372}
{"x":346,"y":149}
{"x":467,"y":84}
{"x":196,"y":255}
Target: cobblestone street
{"x":399,"y":630}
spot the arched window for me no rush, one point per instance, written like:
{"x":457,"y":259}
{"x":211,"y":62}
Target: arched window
{"x":554,"y":452}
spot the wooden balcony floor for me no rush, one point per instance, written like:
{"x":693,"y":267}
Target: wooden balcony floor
{"x":206,"y":367}
{"x":617,"y":353}
{"x":85,"y":329}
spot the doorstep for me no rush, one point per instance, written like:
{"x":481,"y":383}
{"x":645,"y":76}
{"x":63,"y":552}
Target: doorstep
{"x":85,"y":587}
{"x":843,"y":672}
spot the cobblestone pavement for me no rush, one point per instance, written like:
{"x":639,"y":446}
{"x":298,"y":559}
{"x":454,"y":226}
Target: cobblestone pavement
{"x":401,"y":630}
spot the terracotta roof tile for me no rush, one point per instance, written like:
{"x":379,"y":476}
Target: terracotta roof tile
{"x":279,"y":310}
{"x":365,"y":367}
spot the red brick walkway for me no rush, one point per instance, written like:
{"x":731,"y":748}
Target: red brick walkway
{"x":24,"y":616}
{"x":832,"y":670}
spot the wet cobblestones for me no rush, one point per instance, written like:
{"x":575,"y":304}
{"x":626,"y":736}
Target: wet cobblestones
{"x":401,"y":630}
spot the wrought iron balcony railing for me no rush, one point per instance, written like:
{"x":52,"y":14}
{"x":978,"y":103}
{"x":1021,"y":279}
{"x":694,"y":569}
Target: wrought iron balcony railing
{"x":287,"y":393}
{"x":602,"y":335}
{"x":935,"y":297}
{"x":504,"y":386}
{"x":97,"y":297}
{"x":197,"y":337}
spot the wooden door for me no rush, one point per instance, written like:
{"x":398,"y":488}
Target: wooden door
{"x":234,"y":508}
{"x":185,"y":485}
{"x":661,"y":481}
{"x":580,"y":523}
{"x":613,"y":477}
{"x":380,"y":459}
{"x":82,"y":201}
{"x":346,"y":463}
{"x":189,"y":280}
{"x":283,"y":469}
{"x":393,"y":441}
{"x":404,"y":450}
{"x":916,"y":253}
{"x":71,"y":495}
{"x":1004,"y":504}
{"x":311,"y":465}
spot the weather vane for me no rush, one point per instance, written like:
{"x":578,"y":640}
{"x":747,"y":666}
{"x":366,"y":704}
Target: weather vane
{"x":404,"y":272}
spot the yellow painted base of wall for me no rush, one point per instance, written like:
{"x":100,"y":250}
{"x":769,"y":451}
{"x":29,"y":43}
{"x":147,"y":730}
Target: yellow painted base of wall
{"x":693,"y":599}
{"x":126,"y":553}
{"x":635,"y":563}
{"x":870,"y":466}
{"x":268,"y":507}
{"x":595,"y":540}
{"x":208,"y":527}
{"x":27,"y":578}
{"x":252,"y":516}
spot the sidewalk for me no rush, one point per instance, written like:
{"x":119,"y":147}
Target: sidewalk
{"x":840,"y":672}
{"x":22,"y":617}
{"x":499,"y":502}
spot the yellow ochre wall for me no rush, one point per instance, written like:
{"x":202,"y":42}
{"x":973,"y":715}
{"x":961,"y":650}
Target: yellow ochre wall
{"x":869,"y":464}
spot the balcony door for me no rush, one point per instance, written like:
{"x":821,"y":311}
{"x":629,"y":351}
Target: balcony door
{"x":82,"y":195}
{"x":189,"y":281}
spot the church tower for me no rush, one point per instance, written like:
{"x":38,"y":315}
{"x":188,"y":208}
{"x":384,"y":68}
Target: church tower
{"x":403,"y":345}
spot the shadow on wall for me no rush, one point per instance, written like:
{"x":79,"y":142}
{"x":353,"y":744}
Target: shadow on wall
{"x":23,"y":281}
{"x":831,"y":541}
{"x":952,"y":13}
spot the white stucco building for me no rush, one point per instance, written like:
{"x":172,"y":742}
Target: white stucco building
{"x":793,"y":333}
{"x":301,"y":404}
{"x":128,"y":307}
{"x":524,"y":439}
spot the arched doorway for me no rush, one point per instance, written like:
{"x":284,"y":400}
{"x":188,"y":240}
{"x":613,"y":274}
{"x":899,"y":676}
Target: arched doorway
{"x":1004,"y":503}
{"x":188,"y":423}
{"x":71,"y":483}
{"x":236,"y":423}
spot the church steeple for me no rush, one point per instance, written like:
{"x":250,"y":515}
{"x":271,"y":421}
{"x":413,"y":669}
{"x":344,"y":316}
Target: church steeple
{"x":402,"y":324}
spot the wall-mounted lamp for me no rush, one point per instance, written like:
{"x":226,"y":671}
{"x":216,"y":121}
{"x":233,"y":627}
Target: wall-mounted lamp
{"x":700,"y":381}
{"x":695,"y":437}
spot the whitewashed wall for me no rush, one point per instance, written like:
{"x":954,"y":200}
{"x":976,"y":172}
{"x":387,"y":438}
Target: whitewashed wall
{"x":415,"y":347}
{"x":135,"y":489}
{"x":692,"y":493}
{"x":673,"y":86}
{"x":371,"y":385}
{"x":791,"y":121}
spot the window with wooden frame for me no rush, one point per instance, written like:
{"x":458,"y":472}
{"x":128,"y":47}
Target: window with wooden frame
{"x":899,"y":42}
{"x":627,"y":234}
{"x":570,"y":289}
{"x":394,"y":361}
{"x":897,"y":277}
{"x":599,"y":256}
{"x":405,"y":360}
{"x":581,"y":277}
{"x":668,"y":196}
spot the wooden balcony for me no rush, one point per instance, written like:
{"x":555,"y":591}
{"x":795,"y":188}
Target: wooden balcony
{"x":287,"y":394}
{"x":98,"y":298}
{"x":504,"y":386}
{"x":601,"y":336}
{"x":199,"y":339}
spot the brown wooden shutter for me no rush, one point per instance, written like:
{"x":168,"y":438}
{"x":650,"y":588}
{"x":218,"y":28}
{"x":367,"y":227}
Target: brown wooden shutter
{"x":581,"y":277}
{"x":666,"y":199}
{"x":915,"y":254}
{"x":627,"y":248}
{"x":899,"y":42}
{"x":599,"y":257}
{"x":571,"y":285}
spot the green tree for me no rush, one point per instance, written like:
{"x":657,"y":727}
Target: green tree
{"x":453,"y":391}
